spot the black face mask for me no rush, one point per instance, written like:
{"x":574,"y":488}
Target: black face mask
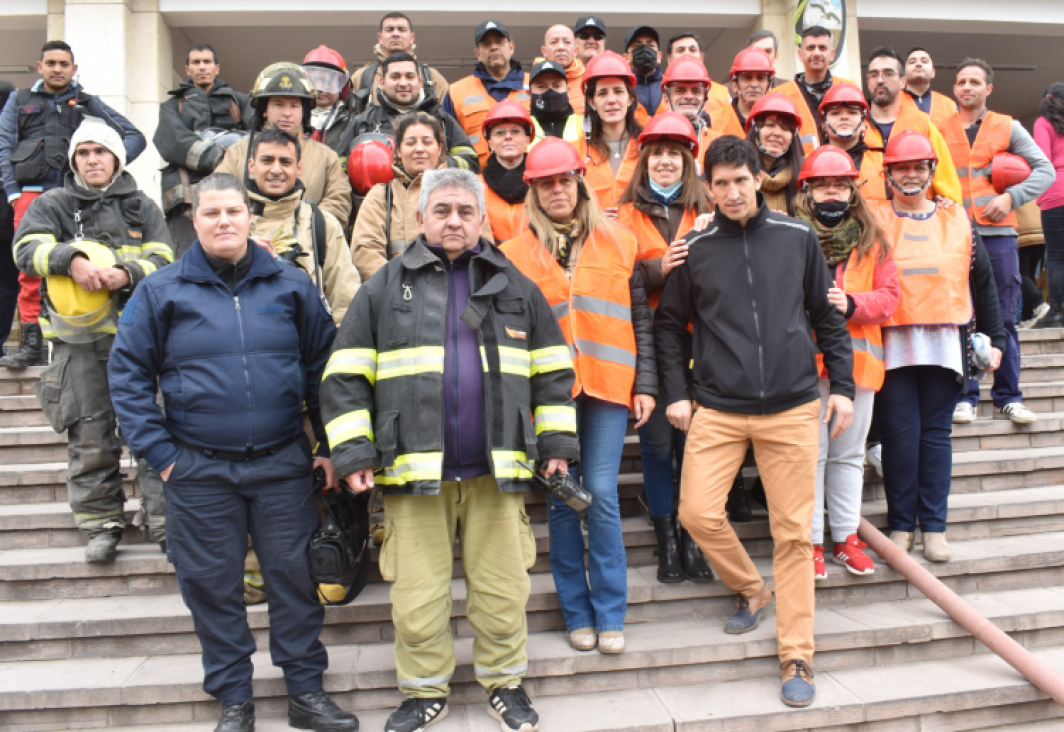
{"x":644,"y":59}
{"x":830,"y":213}
{"x":550,"y":102}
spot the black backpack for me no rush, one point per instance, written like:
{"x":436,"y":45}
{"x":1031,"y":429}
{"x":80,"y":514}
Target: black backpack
{"x":340,"y":548}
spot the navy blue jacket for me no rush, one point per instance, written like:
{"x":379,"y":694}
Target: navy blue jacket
{"x":235,"y":368}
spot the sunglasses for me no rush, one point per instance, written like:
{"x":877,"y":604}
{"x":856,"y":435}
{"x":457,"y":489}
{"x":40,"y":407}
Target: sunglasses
{"x":586,"y":35}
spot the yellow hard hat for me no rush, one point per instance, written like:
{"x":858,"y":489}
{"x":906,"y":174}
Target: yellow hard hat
{"x":69,"y":299}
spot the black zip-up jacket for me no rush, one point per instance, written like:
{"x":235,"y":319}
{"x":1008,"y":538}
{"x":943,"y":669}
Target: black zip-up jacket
{"x":756,"y":293}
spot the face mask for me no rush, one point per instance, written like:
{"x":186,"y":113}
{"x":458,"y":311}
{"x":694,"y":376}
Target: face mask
{"x":830,"y":213}
{"x":666,"y":194}
{"x":645,"y":59}
{"x":550,"y":102}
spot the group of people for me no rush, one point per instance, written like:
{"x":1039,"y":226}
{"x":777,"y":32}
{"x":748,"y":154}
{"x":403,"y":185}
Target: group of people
{"x":438,"y":291}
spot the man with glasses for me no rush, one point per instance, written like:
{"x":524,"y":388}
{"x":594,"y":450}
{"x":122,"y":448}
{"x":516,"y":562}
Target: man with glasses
{"x":590,"y":34}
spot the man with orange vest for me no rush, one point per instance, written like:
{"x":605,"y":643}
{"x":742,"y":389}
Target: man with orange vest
{"x":919,"y":71}
{"x":808,"y":88}
{"x":890,"y":115}
{"x":844,"y":112}
{"x":559,"y":47}
{"x":751,"y":77}
{"x":509,"y":130}
{"x":975,"y":135}
{"x":497,"y":76}
{"x":687,"y":86}
{"x":689,"y":44}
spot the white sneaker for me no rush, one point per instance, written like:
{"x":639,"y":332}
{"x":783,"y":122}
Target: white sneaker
{"x":1037,"y":314}
{"x":1018,"y":413}
{"x":874,"y":457}
{"x":964,"y":413}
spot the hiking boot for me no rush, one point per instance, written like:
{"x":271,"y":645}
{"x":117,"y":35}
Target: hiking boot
{"x":102,"y":548}
{"x":936,"y":548}
{"x":513,"y":710}
{"x":748,"y":612}
{"x":963,"y":413}
{"x":695,"y":565}
{"x":1036,"y":315}
{"x":34,"y":351}
{"x":670,"y":570}
{"x":820,"y":569}
{"x":851,"y":555}
{"x":904,"y":540}
{"x":738,"y":506}
{"x":318,"y":712}
{"x":798,"y":688}
{"x":1054,"y":318}
{"x":414,"y":715}
{"x":237,"y":718}
{"x":1019,"y":414}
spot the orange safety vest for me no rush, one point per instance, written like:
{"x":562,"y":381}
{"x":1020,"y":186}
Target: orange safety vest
{"x":866,"y":340}
{"x":507,"y":219}
{"x":872,"y":184}
{"x":933,"y":257}
{"x":726,"y":122}
{"x":472,"y":102}
{"x":705,"y":137}
{"x":942,"y":107}
{"x":594,"y":309}
{"x":651,"y":243}
{"x":599,"y":175}
{"x":909,"y":118}
{"x":641,"y":115}
{"x":973,"y":161}
{"x":810,"y":131}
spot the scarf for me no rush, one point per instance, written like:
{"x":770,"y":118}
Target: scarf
{"x":509,"y":185}
{"x":565,"y":241}
{"x":775,"y":186}
{"x":838,"y":242}
{"x":817,"y":90}
{"x":665,"y":195}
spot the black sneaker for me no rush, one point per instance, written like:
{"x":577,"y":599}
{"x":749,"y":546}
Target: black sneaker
{"x":513,"y":710}
{"x":414,"y":715}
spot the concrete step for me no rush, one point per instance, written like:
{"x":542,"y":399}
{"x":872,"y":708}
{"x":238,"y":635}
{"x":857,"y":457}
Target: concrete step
{"x":21,"y":411}
{"x":1048,"y":340}
{"x":23,"y":483}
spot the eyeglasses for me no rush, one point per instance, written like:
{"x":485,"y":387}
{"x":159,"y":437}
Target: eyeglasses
{"x":585,"y":35}
{"x":501,"y":133}
{"x":830,"y":184}
{"x":886,"y":75}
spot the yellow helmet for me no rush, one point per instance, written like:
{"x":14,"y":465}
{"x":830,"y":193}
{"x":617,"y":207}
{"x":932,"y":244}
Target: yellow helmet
{"x":77,"y":314}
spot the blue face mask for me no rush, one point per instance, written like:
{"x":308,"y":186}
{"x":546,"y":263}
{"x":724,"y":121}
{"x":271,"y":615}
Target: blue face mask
{"x":666,"y":194}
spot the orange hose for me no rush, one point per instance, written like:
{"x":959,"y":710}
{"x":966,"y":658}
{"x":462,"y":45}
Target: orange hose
{"x":991,"y":636}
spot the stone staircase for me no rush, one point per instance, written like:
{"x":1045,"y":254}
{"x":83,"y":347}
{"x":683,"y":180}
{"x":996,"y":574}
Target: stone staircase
{"x":88,"y":646}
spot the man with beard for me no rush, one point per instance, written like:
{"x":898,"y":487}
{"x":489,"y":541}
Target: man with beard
{"x":396,"y":35}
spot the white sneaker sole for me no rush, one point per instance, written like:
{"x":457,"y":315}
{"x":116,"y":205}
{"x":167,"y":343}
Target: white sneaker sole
{"x":1022,"y":419}
{"x":1039,"y":312}
{"x":507,"y":728}
{"x":963,"y":418}
{"x":850,"y":569}
{"x":441,"y":716}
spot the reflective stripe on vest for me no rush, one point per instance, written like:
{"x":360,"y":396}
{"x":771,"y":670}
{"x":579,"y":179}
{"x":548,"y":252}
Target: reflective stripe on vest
{"x":555,"y":419}
{"x":506,"y":465}
{"x":350,"y":426}
{"x":360,"y":361}
{"x":572,"y":132}
{"x":410,"y":361}
{"x":413,"y":467}
{"x":973,"y":162}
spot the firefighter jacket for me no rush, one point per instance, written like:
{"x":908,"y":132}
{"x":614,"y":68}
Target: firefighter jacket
{"x":288,"y":222}
{"x":190,"y":158}
{"x":122,"y":217}
{"x":382,"y":392}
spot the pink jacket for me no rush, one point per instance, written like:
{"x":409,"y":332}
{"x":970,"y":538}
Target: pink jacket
{"x":876,"y":306}
{"x":1052,"y":145}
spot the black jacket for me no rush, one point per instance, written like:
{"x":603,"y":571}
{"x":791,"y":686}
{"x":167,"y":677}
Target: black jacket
{"x":755,"y":293}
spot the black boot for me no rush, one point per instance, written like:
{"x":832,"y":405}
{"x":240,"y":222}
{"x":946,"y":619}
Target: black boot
{"x":34,"y":351}
{"x":1054,"y":318}
{"x":738,"y":506}
{"x":695,"y":565}
{"x":318,"y":712}
{"x":237,"y":718}
{"x":670,"y":570}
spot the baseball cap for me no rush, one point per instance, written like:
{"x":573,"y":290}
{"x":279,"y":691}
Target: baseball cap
{"x":544,"y":67}
{"x":640,"y":30}
{"x":589,"y":21}
{"x":487,"y":27}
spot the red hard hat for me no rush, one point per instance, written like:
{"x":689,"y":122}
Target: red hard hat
{"x":828,"y":162}
{"x":686,"y":68}
{"x":1007,"y":170}
{"x":671,"y":126}
{"x":325,"y":56}
{"x":508,"y":111}
{"x":369,"y":163}
{"x":778,"y":104}
{"x":552,"y":156}
{"x":752,"y":61}
{"x":608,"y":65}
{"x":845,"y":94}
{"x":909,"y":146}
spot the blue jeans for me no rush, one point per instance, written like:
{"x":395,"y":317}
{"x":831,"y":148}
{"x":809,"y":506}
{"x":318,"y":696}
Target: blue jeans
{"x":1005,"y":261}
{"x":658,"y":441}
{"x":916,"y":407}
{"x":1053,"y":229}
{"x":597,"y":598}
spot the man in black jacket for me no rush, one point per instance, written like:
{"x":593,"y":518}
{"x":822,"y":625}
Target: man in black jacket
{"x":201,"y":102}
{"x":755,"y":284}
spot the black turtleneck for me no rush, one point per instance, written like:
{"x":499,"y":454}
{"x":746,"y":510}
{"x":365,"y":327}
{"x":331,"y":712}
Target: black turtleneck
{"x":508,"y":184}
{"x":232,"y":273}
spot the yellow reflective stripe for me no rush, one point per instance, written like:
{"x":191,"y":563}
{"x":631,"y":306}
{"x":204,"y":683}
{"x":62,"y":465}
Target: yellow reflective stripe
{"x":129,"y":252}
{"x":47,"y":331}
{"x":410,"y":361}
{"x":349,"y":426}
{"x":32,"y":237}
{"x":358,"y":361}
{"x":506,"y":466}
{"x":555,"y":358}
{"x":159,"y":248}
{"x":516,"y":361}
{"x":41,"y":254}
{"x":557,"y":419}
{"x":484,"y":358}
{"x":413,"y":467}
{"x":145,"y":265}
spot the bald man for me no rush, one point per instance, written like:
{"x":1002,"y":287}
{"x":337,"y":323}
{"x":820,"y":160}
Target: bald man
{"x":559,"y":46}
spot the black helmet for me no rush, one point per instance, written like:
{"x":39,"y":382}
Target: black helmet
{"x":284,"y":79}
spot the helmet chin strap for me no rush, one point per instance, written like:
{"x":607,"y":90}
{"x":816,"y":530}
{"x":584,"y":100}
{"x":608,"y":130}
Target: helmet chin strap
{"x":841,"y":135}
{"x":761,"y":147}
{"x":912,"y":191}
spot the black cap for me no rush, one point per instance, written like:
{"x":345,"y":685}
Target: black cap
{"x":589,"y":21}
{"x":640,"y":30}
{"x":487,"y":27}
{"x":545,"y":67}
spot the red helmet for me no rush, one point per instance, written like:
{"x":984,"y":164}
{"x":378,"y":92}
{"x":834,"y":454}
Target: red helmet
{"x":686,"y":68}
{"x":370,"y":162}
{"x":552,"y":156}
{"x":1007,"y":170}
{"x":775,"y":103}
{"x":828,"y":162}
{"x":508,"y":111}
{"x":671,"y":126}
{"x":908,"y":146}
{"x":326,"y":68}
{"x":608,"y":65}
{"x":752,"y":61}
{"x":325,"y":56}
{"x":842,"y":93}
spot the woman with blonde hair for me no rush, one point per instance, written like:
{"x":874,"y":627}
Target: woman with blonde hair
{"x":584,"y":265}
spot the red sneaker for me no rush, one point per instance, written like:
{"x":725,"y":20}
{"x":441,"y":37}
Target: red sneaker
{"x":820,"y":570}
{"x":851,"y":555}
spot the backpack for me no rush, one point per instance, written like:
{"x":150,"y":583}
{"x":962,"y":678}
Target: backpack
{"x":360,"y":99}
